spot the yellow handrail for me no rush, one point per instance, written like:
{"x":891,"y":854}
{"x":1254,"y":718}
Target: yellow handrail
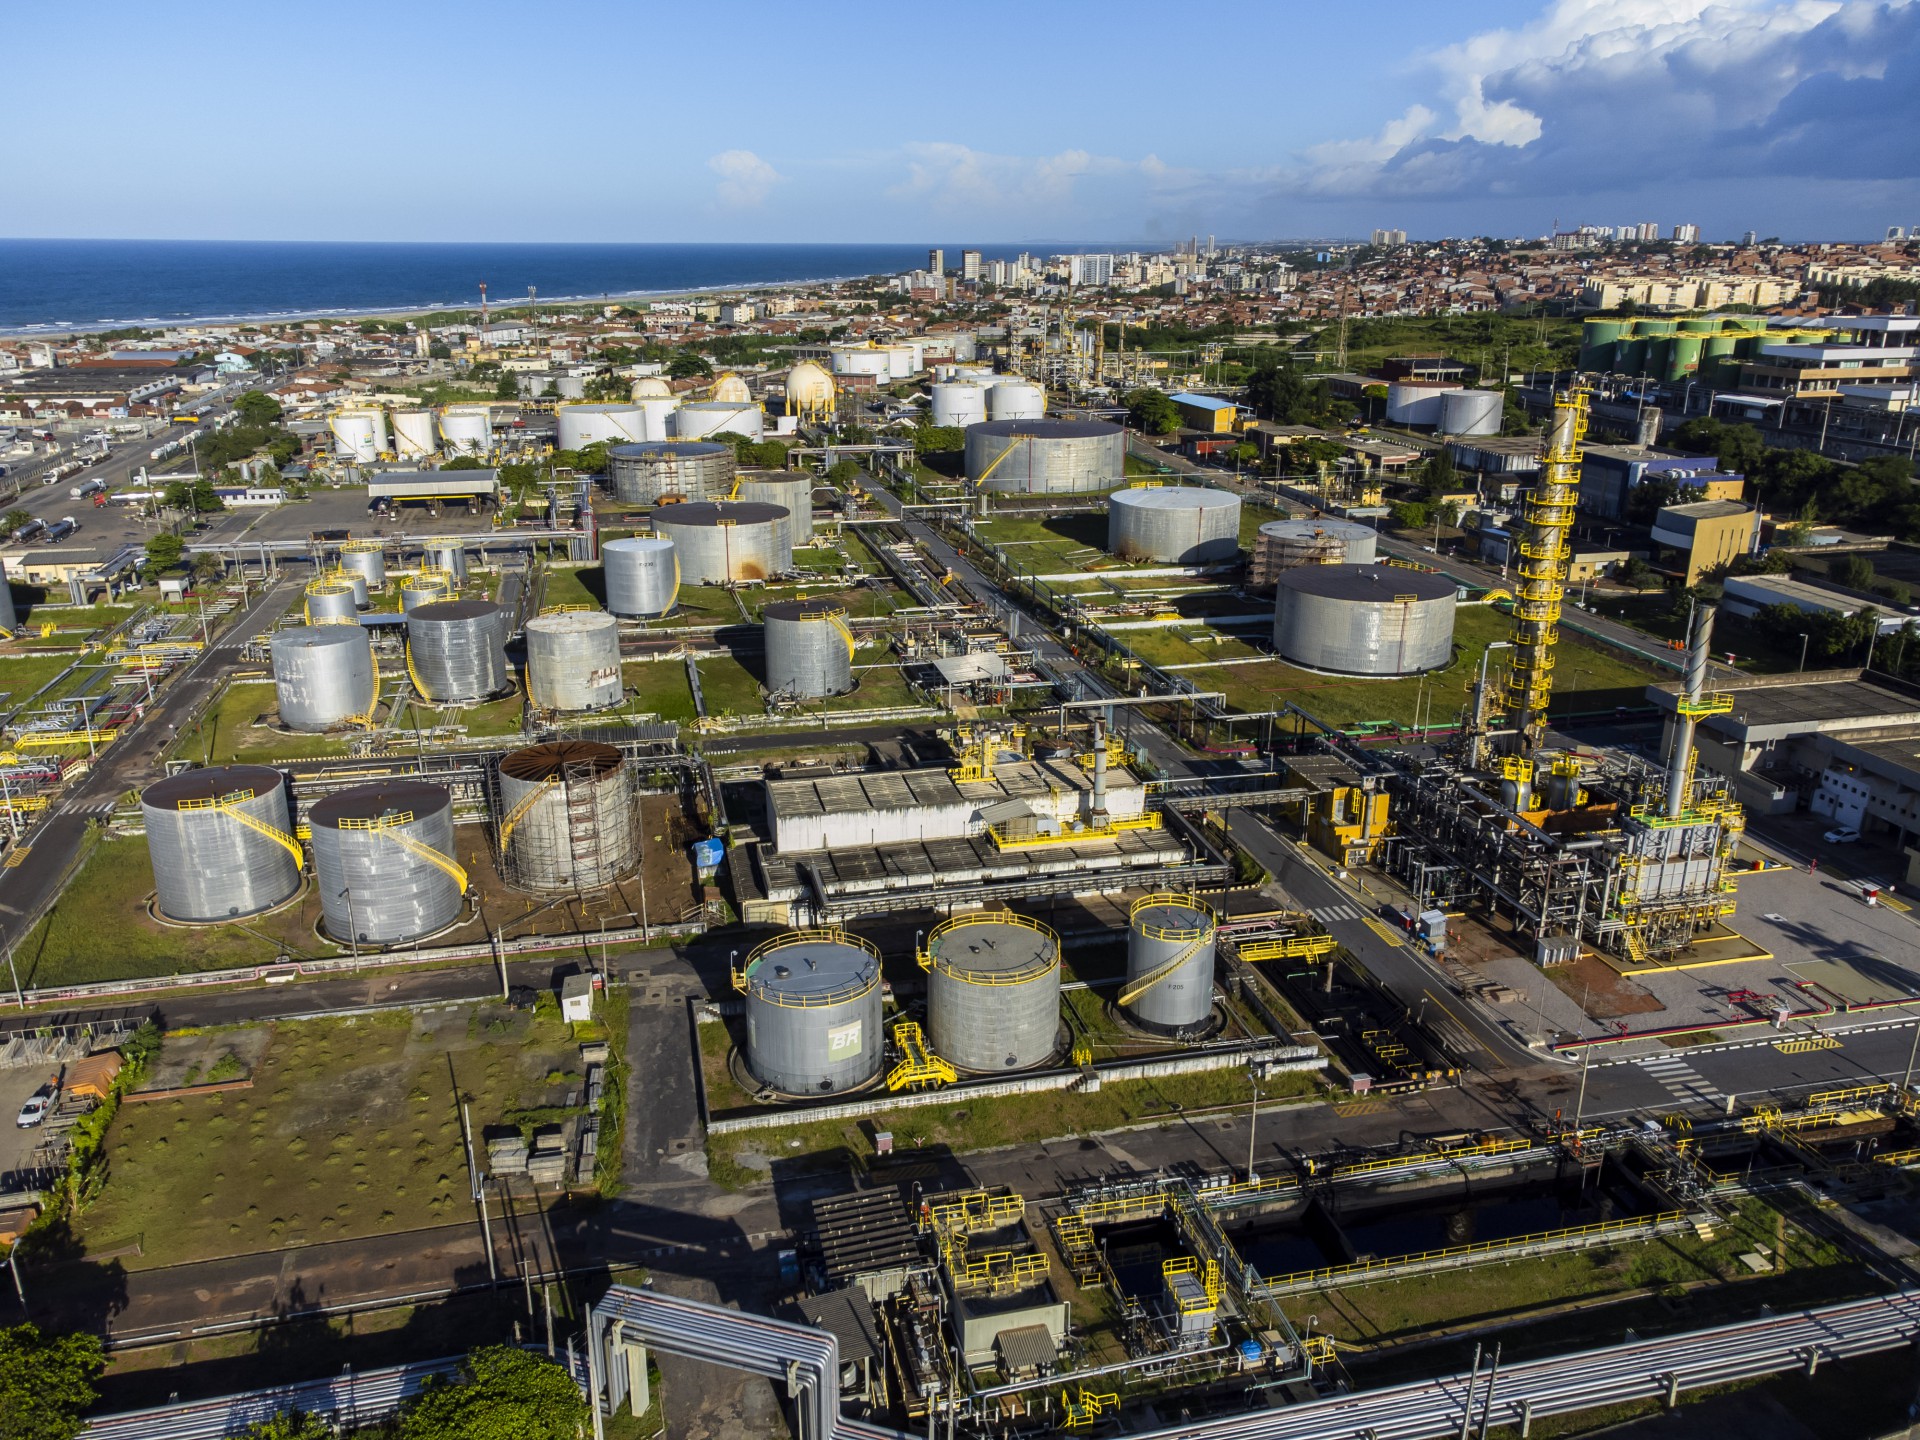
{"x":430,"y":855}
{"x":1153,"y":977}
{"x":272,"y":832}
{"x":519,"y":811}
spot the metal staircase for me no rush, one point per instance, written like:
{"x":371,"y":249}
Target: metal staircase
{"x":1160,"y":972}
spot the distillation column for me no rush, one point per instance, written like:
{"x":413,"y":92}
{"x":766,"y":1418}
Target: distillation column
{"x":1544,"y":560}
{"x":1694,"y":703}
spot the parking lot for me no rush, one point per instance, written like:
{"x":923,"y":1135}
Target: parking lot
{"x":17,"y":1146}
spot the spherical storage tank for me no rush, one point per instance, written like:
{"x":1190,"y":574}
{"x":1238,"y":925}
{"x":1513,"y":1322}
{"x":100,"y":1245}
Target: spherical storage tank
{"x":368,"y":560}
{"x":1046,"y":457}
{"x":958,"y":402}
{"x":1416,"y":402}
{"x":718,"y":417}
{"x":208,"y":863}
{"x":323,"y":675}
{"x":809,"y":391}
{"x":425,"y":588}
{"x":1175,"y":525}
{"x":457,"y":650}
{"x":573,"y":660}
{"x":732,"y":389}
{"x":809,"y":648}
{"x":1471,"y":412}
{"x":1016,"y":400}
{"x":359,"y":436}
{"x":727,"y":540}
{"x":584,"y":425}
{"x":1170,"y":944}
{"x":383,"y":862}
{"x":646,"y":474}
{"x":1363,"y":619}
{"x":792,"y":491}
{"x":567,"y":819}
{"x":642,"y":575}
{"x":414,"y":435}
{"x":813,"y":1012}
{"x":467,"y":429}
{"x":993,"y":991}
{"x":650,"y":387}
{"x":331,"y":600}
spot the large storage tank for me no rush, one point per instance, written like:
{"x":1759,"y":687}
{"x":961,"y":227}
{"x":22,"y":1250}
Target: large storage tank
{"x":352,"y":579}
{"x":323,"y":675}
{"x":446,"y":555}
{"x":425,"y":587}
{"x":1046,"y":457}
{"x":331,"y":601}
{"x":1363,"y":619}
{"x":727,"y":540}
{"x":810,"y":392}
{"x":617,"y":423}
{"x":1471,"y":412}
{"x":567,"y":816}
{"x":414,"y":436}
{"x":809,"y":649}
{"x":813,"y":1012}
{"x":208,"y":863}
{"x":717,"y":417}
{"x":791,"y":491}
{"x":691,"y":469}
{"x":383,"y":862}
{"x":656,"y":415}
{"x":993,"y":991}
{"x":902,"y":360}
{"x":457,"y":650}
{"x":368,"y":560}
{"x":1416,"y":402}
{"x":1170,"y":945}
{"x":861,"y":360}
{"x":467,"y":430}
{"x":1282,"y":544}
{"x":1016,"y":400}
{"x":1175,"y":525}
{"x":642,"y":576}
{"x":651,"y":387}
{"x":360,"y":435}
{"x":959,"y":402}
{"x":570,"y":387}
{"x":732,"y":389}
{"x":573,"y":660}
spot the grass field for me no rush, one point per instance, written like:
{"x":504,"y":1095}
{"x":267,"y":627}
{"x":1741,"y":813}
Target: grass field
{"x":1054,"y":545}
{"x":582,"y":585}
{"x":701,"y":605}
{"x":660,"y":687}
{"x":23,"y":673}
{"x":1189,"y":646}
{"x":352,"y":1127}
{"x":227,"y":735}
{"x":496,"y":717}
{"x":728,"y":687}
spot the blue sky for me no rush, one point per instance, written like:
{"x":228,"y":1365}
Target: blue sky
{"x":985,"y":121}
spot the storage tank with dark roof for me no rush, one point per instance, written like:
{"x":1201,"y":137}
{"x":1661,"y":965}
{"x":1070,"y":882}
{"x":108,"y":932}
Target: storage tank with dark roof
{"x":1363,"y":619}
{"x":383,"y":861}
{"x":220,"y":842}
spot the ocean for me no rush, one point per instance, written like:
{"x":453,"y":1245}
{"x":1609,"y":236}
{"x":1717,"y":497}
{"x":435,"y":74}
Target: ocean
{"x":60,"y":285}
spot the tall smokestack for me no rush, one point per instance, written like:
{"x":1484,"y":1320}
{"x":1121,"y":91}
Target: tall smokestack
{"x":1099,"y":816}
{"x":1695,"y":686}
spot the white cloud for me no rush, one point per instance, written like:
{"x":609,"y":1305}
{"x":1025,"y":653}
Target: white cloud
{"x":745,"y":179}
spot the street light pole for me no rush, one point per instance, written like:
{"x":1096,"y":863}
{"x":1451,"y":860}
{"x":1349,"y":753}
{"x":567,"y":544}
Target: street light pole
{"x":1253,"y":1123}
{"x":1803,"y":653}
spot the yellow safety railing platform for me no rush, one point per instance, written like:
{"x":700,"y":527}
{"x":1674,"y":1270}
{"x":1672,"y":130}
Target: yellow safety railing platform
{"x":918,"y":1066}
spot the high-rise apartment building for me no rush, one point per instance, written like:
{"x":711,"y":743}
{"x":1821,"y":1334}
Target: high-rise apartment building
{"x":970,"y":265}
{"x":1089,"y":269}
{"x":1686,"y":234}
{"x":937,"y":261}
{"x":1386,"y":239}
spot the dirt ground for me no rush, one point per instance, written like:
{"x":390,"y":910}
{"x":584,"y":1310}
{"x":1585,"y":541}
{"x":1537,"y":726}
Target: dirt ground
{"x":207,"y":1056}
{"x":1601,"y":990}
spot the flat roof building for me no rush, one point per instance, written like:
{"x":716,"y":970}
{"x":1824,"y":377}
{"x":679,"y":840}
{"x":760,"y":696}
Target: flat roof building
{"x":1706,"y":534}
{"x":1747,"y":595}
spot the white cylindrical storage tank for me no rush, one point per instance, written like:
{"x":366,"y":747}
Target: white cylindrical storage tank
{"x":642,"y":576}
{"x":1016,"y":400}
{"x":690,"y":469}
{"x":359,"y":436}
{"x":1363,"y":619}
{"x":731,"y":389}
{"x":813,"y":1012}
{"x":570,"y":387}
{"x":415,"y":436}
{"x":809,"y":649}
{"x":618,"y":423}
{"x":368,"y":560}
{"x":791,"y":490}
{"x":861,"y":360}
{"x":717,"y":417}
{"x":467,"y":430}
{"x":984,"y":375}
{"x":1416,"y":402}
{"x":331,"y":601}
{"x":567,"y":816}
{"x":210,"y":865}
{"x":1282,"y":544}
{"x":993,"y":991}
{"x":1472,"y":412}
{"x":383,"y":862}
{"x":573,"y":660}
{"x":723,"y":541}
{"x":1046,"y":457}
{"x":427,"y":587}
{"x":1174,"y":525}
{"x":457,"y":651}
{"x":656,"y":416}
{"x":533,"y":387}
{"x":959,"y":402}
{"x":902,"y":360}
{"x":1170,"y":945}
{"x":448,"y":555}
{"x":650,"y":387}
{"x":323,"y":675}
{"x":352,"y":579}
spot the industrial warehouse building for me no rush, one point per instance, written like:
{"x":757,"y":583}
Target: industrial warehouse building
{"x":1698,"y":537}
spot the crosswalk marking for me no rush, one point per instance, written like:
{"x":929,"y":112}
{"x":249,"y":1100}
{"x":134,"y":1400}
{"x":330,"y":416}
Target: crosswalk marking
{"x":1680,"y":1080}
{"x":1326,"y":913}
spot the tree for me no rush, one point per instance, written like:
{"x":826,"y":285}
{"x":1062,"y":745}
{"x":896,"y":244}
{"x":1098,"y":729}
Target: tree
{"x":1152,"y":412}
{"x":842,"y":471}
{"x":202,"y":498}
{"x":256,"y":407}
{"x":1281,"y":393}
{"x":46,"y":1382}
{"x":164,"y":551}
{"x":501,"y":1394}
{"x":506,"y":389}
{"x":1855,"y":572}
{"x":687,"y":365}
{"x":293,"y":1425}
{"x":1637,"y":573}
{"x":1437,"y":472}
{"x":208,"y":566}
{"x":463,"y":462}
{"x":608,"y":387}
{"x":14,"y":519}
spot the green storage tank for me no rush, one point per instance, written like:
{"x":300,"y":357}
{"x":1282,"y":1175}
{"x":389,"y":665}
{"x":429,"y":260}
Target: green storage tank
{"x":1651,"y":327}
{"x":1683,"y":358}
{"x":1719,"y":362}
{"x":1699,"y":325}
{"x":1597,"y":338}
{"x":1630,"y":357}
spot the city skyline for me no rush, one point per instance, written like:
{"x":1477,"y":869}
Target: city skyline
{"x":1770,"y":115}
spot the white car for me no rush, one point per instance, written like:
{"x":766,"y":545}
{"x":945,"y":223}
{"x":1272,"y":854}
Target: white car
{"x":1845,"y":835}
{"x":34,"y":1111}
